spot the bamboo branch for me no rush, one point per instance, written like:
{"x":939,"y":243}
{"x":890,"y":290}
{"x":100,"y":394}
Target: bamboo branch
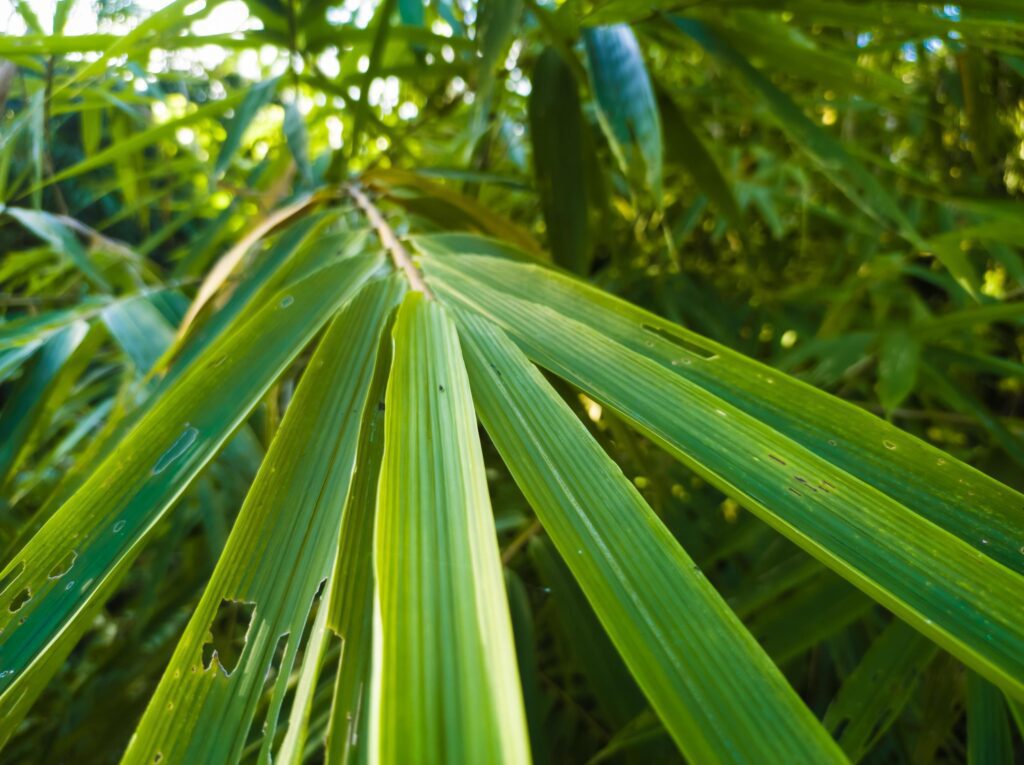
{"x":389,"y":240}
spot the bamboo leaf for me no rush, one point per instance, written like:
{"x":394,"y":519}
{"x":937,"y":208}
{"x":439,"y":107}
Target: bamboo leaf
{"x":924,"y":479}
{"x":25,"y":404}
{"x":682,"y":142}
{"x":876,"y":692}
{"x":556,"y":131}
{"x":842,"y":168}
{"x":898,"y":362}
{"x":298,"y":142}
{"x":150,"y":467}
{"x":351,"y":603}
{"x":988,"y":726}
{"x":626,"y":105}
{"x":445,"y":684}
{"x":281,"y":548}
{"x":61,"y":237}
{"x":716,"y":691}
{"x":231,"y":259}
{"x":946,"y":587}
{"x":258,"y":96}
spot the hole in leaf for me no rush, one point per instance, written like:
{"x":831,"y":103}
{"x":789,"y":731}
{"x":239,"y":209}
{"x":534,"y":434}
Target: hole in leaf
{"x":228,"y":633}
{"x":20,"y":599}
{"x":681,"y":342}
{"x":8,"y":579}
{"x":63,"y":566}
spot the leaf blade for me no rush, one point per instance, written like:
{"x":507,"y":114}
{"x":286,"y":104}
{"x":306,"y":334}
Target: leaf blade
{"x":445,"y":683}
{"x":716,"y":690}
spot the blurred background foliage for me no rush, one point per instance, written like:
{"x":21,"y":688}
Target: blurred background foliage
{"x":832,"y":187}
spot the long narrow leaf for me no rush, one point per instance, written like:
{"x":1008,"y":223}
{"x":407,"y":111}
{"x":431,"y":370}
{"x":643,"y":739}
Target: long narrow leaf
{"x":954,"y":593}
{"x":445,"y":684}
{"x":103,"y":525}
{"x":281,"y":548}
{"x":717,"y":692}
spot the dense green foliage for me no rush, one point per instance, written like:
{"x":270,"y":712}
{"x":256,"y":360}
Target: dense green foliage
{"x":582,"y":382}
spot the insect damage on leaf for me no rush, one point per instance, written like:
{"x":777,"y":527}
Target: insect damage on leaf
{"x":228,"y":633}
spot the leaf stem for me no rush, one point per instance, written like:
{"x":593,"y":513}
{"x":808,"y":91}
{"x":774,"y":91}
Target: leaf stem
{"x":398,"y":253}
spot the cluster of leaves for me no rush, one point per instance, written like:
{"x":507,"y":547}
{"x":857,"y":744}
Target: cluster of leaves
{"x":264,"y":269}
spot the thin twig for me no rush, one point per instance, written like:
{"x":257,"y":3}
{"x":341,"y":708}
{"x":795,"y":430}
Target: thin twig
{"x":386,"y":234}
{"x":516,"y":544}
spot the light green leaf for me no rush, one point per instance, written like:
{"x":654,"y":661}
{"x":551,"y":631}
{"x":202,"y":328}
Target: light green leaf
{"x":445,"y":685}
{"x":105,"y":522}
{"x":61,"y":237}
{"x":352,"y":593}
{"x":926,"y":480}
{"x":281,"y":549}
{"x":821,"y":488}
{"x":716,"y":691}
{"x":140,"y":329}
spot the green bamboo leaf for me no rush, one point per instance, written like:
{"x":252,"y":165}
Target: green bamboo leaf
{"x":873,"y":696}
{"x":819,"y":609}
{"x":445,"y":684}
{"x":352,"y":595}
{"x":281,"y":549}
{"x":946,"y":586}
{"x":412,"y":12}
{"x":617,"y":696}
{"x":645,"y":727}
{"x":716,"y":691}
{"x":29,"y":330}
{"x":256,"y":97}
{"x":298,"y":142}
{"x":627,"y":109}
{"x":842,"y":168}
{"x":683,"y":144}
{"x":61,"y":237}
{"x":496,"y":28}
{"x":988,"y":726}
{"x":103,"y":528}
{"x":899,"y":358}
{"x":926,"y":480}
{"x":140,"y":329}
{"x":46,"y":374}
{"x":526,"y":657}
{"x":136,"y":141}
{"x":556,"y":132}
